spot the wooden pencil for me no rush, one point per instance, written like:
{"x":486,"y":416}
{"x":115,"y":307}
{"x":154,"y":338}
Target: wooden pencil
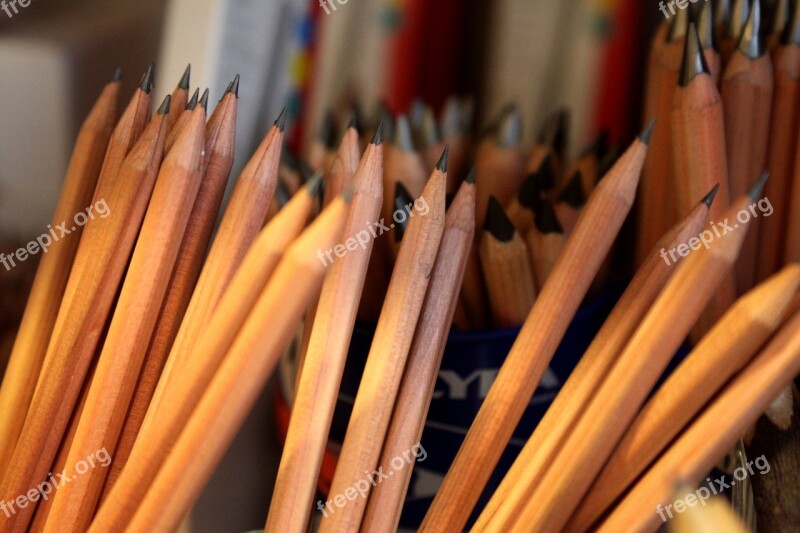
{"x":715,"y":514}
{"x":165,"y":423}
{"x":704,"y":22}
{"x":215,"y":168}
{"x":781,"y":13}
{"x":315,"y":397}
{"x":322,"y":147}
{"x":551,"y":143}
{"x":425,"y":357}
{"x":180,"y":97}
{"x":38,"y":319}
{"x":507,"y":268}
{"x":747,"y":100}
{"x":184,"y":116}
{"x":244,"y":216}
{"x":570,"y":202}
{"x":537,"y":341}
{"x":402,"y":198}
{"x":587,"y":376}
{"x":99,"y":266}
{"x":588,"y":162}
{"x":636,"y":371}
{"x":402,"y":165}
{"x":237,"y":384}
{"x":712,"y":434}
{"x":545,"y":242}
{"x":522,"y":209}
{"x":429,"y":137}
{"x":131,"y":326}
{"x":739,"y":11}
{"x":456,"y":135}
{"x":727,"y":348}
{"x":383,"y":372}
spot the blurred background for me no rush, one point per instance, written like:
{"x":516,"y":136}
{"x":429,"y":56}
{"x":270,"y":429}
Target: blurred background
{"x":311,"y":56}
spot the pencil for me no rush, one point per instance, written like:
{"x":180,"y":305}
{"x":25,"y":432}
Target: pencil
{"x":237,"y":384}
{"x":380,"y":382}
{"x":183,"y":117}
{"x":522,"y":209}
{"x":739,"y":11}
{"x":507,"y":268}
{"x":781,"y":14}
{"x":637,"y":369}
{"x":99,"y":266}
{"x":315,"y":397}
{"x":537,"y":341}
{"x":585,"y":379}
{"x":179,"y":99}
{"x":424,"y":359}
{"x":727,"y":348}
{"x":712,"y":434}
{"x":704,"y":21}
{"x":545,"y":242}
{"x":455,"y":128}
{"x":570,"y":202}
{"x":33,"y":336}
{"x":715,"y":514}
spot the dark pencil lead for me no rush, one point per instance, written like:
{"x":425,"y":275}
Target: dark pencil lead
{"x":192,"y":103}
{"x":708,"y":199}
{"x":648,"y":131}
{"x":147,"y":80}
{"x":678,"y":26}
{"x":530,"y":192}
{"x":353,"y":122}
{"x":281,"y":120}
{"x":471,"y":176}
{"x":448,"y":199}
{"x":401,"y":199}
{"x":378,"y":137}
{"x":598,"y":147}
{"x":164,"y":109}
{"x":117,"y":75}
{"x":791,"y":33}
{"x":315,"y":184}
{"x":780,"y":16}
{"x":694,"y":62}
{"x":755,"y":192}
{"x":416,"y":112}
{"x":704,"y":21}
{"x":722,"y":12}
{"x":546,"y":220}
{"x":497,"y":222}
{"x":751,"y":42}
{"x":184,"y":83}
{"x":739,"y":12}
{"x":441,"y":166}
{"x":234,"y":86}
{"x":403,"y":139}
{"x":387,"y":120}
{"x":573,"y":194}
{"x":204,"y":99}
{"x":555,"y":130}
{"x":509,"y":130}
{"x":328,"y":134}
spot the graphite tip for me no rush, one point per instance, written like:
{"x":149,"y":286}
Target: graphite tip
{"x":737,"y":19}
{"x":573,"y":194}
{"x":546,"y":220}
{"x":497,"y":222}
{"x":694,"y":62}
{"x":315,"y":185}
{"x":401,"y":199}
{"x":755,"y":192}
{"x":791,"y":33}
{"x":471,"y":176}
{"x":204,"y":99}
{"x":164,"y":108}
{"x":378,"y":137}
{"x":117,"y":75}
{"x":192,"y":103}
{"x":147,"y":80}
{"x":441,"y":166}
{"x":280,"y":122}
{"x":647,"y":132}
{"x":708,"y":199}
{"x":751,"y":43}
{"x":704,"y":21}
{"x":509,"y":129}
{"x":678,"y":26}
{"x":234,"y":86}
{"x":184,"y":81}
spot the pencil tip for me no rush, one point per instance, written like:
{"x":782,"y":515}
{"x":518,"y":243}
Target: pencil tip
{"x":401,"y":199}
{"x":545,"y":218}
{"x":353,"y":122}
{"x":184,"y":82}
{"x":234,"y":86}
{"x":204,"y":99}
{"x":509,"y":131}
{"x":704,"y":20}
{"x":378,"y":137}
{"x":471,"y":176}
{"x":164,"y":109}
{"x":192,"y":103}
{"x":647,"y":133}
{"x":737,"y":19}
{"x":751,"y":43}
{"x":147,"y":80}
{"x":755,"y":192}
{"x":678,"y":26}
{"x":280,"y":122}
{"x":315,"y":185}
{"x":708,"y":199}
{"x":429,"y":130}
{"x":791,"y":32}
{"x":403,"y":139}
{"x":722,"y":12}
{"x":441,"y":166}
{"x":555,"y":130}
{"x":497,"y":222}
{"x":694,"y":62}
{"x":573,"y":194}
{"x":117,"y":75}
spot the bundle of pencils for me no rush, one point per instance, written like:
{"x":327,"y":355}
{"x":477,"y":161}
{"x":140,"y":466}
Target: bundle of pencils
{"x":148,"y":336}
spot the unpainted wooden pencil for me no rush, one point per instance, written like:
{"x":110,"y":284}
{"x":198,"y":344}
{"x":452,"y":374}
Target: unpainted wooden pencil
{"x":636,"y":371}
{"x":402,"y":165}
{"x":704,"y":22}
{"x":712,"y":434}
{"x":551,"y":143}
{"x":180,"y":97}
{"x":537,"y":341}
{"x":27,"y":355}
{"x":545,"y":242}
{"x":739,"y":11}
{"x":183,"y":117}
{"x":455,"y":128}
{"x":570,"y":202}
{"x":522,"y":209}
{"x":429,"y":138}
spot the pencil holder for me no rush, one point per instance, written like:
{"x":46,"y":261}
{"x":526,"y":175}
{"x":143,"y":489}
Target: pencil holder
{"x":469,"y":366}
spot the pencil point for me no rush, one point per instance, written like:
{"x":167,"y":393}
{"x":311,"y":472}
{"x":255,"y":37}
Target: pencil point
{"x":722,"y":13}
{"x":429,"y":129}
{"x":451,"y":118}
{"x":147,"y":80}
{"x":117,"y":75}
{"x":184,"y":83}
{"x":164,"y":109}
{"x":555,"y":130}
{"x":704,"y":20}
{"x":403,"y":139}
{"x":509,"y":130}
{"x":573,"y":194}
{"x":678,"y":26}
{"x":471,"y":176}
{"x":709,"y":198}
{"x":791,"y":33}
{"x":694,"y":62}
{"x":280,"y":122}
{"x":751,"y":43}
{"x":546,"y":220}
{"x":401,"y":199}
{"x":755,"y":192}
{"x":648,"y":131}
{"x":192,"y":103}
{"x":378,"y":137}
{"x":780,"y":16}
{"x":234,"y":86}
{"x":441,"y":166}
{"x":737,"y":19}
{"x":204,"y":99}
{"x":353,"y":122}
{"x":497,"y":222}
{"x":315,"y":185}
